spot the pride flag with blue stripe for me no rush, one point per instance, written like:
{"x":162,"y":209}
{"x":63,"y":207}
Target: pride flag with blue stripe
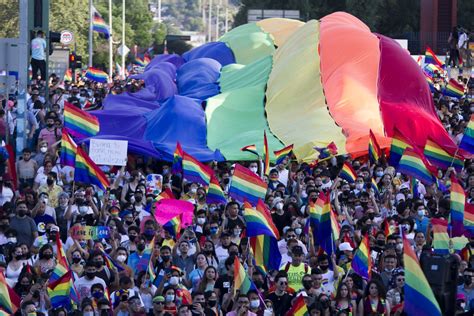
{"x":194,"y":171}
{"x":415,"y":164}
{"x":467,"y":141}
{"x":246,"y":186}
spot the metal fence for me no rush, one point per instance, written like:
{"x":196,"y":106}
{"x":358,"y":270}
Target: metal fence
{"x":417,"y":42}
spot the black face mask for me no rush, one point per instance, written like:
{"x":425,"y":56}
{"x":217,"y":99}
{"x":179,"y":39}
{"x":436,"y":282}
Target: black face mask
{"x":212,"y":303}
{"x":50,"y":181}
{"x":129,"y":223}
{"x":90,"y":275}
{"x":380,"y":243}
{"x":138,"y":198}
{"x":165,"y":258}
{"x":307,"y":285}
{"x":208,"y":252}
{"x":99,"y":264}
{"x":76,"y":260}
{"x":324,"y":268}
{"x":258,"y":284}
{"x":141,"y":247}
{"x":50,"y":125}
{"x":314,"y":199}
{"x":21,"y":213}
{"x":48,"y":256}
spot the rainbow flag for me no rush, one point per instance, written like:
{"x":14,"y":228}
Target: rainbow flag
{"x":99,"y":25}
{"x":246,"y":186}
{"x":194,"y":171}
{"x":416,"y":165}
{"x":374,"y":149}
{"x":467,"y":141}
{"x":214,"y":192}
{"x":432,"y":69}
{"x":177,"y":166}
{"x":440,"y":158}
{"x":67,"y":75}
{"x":324,"y":230}
{"x":165,"y":194}
{"x":326,"y":152}
{"x":388,"y":229}
{"x":146,"y":59}
{"x":4,"y":313}
{"x":88,"y":172}
{"x":374,"y":186}
{"x":298,"y":308}
{"x":458,"y":202}
{"x":335,"y":226}
{"x":251,"y":149}
{"x":430,"y":81}
{"x":281,"y":154}
{"x":144,"y":261}
{"x":259,"y":223}
{"x":459,"y":243}
{"x":68,"y":150}
{"x":453,"y":89}
{"x":173,"y":226}
{"x":362,"y":261}
{"x":62,"y":266}
{"x":469,"y":220}
{"x":419,"y":298}
{"x":414,"y":188}
{"x":242,"y":281}
{"x":348,"y":173}
{"x":60,"y":290}
{"x":150,"y":268}
{"x":266,"y":155}
{"x":9,"y":300}
{"x":440,"y":236}
{"x":266,"y":252}
{"x":97,"y":75}
{"x":139,"y":62}
{"x":399,"y":144}
{"x":79,"y":123}
{"x":431,"y":58}
{"x":111,"y":264}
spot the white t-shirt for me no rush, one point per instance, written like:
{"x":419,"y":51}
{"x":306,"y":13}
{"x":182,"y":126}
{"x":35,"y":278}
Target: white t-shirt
{"x":6,"y":195}
{"x":283,"y":176}
{"x":83,"y":286}
{"x":38,"y":45}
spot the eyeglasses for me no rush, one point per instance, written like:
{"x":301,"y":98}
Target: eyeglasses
{"x":400,"y":280}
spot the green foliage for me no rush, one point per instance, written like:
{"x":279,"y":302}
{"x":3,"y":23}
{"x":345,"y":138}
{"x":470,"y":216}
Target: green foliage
{"x":183,"y":14}
{"x":9,"y":12}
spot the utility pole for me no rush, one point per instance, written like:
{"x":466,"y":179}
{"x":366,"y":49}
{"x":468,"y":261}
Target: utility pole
{"x":159,"y":11}
{"x":22,"y":78}
{"x":209,"y":30}
{"x":217,"y":18}
{"x":91,"y":48}
{"x":111,"y":49}
{"x":123,"y":38}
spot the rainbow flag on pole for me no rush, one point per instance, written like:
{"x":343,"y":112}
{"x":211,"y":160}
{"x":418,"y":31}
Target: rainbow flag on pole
{"x":416,"y":165}
{"x":440,"y":236}
{"x":68,"y":150}
{"x":259,"y":223}
{"x":431,"y":58}
{"x":177,"y":166}
{"x":97,"y":75}
{"x":194,"y":171}
{"x":458,"y":202}
{"x":281,"y":154}
{"x":88,"y":172}
{"x":215,"y":194}
{"x":246,"y":186}
{"x":399,"y":144}
{"x":251,"y":149}
{"x":266,"y":155}
{"x":110,"y":262}
{"x":59,"y":291}
{"x":469,"y":220}
{"x":298,"y":308}
{"x":453,"y":89}
{"x":374,"y":149}
{"x":324,"y":233}
{"x":80,"y":123}
{"x":242,"y":281}
{"x":348,"y":173}
{"x":467,"y":141}
{"x":99,"y":25}
{"x":362,"y":261}
{"x":266,"y":252}
{"x":143,"y":262}
{"x":67,"y":75}
{"x":419,"y":298}
{"x":440,"y":158}
{"x":9,"y":300}
{"x":173,"y":226}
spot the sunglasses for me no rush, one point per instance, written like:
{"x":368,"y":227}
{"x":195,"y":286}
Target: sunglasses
{"x":283,"y":283}
{"x":400,"y":280}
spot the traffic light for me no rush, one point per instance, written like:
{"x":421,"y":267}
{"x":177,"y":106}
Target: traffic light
{"x":78,"y":62}
{"x":72,"y":60}
{"x":54,"y":37}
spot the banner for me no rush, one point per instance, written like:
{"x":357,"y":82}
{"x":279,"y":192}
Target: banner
{"x":90,"y":232}
{"x":108,"y":152}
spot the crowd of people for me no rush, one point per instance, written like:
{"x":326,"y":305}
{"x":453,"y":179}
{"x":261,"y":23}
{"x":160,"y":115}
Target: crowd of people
{"x":194,"y":271}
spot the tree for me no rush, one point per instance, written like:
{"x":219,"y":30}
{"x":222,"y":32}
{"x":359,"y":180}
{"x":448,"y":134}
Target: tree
{"x":9,"y":14}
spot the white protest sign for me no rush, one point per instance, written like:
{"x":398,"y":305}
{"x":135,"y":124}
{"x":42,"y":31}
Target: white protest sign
{"x":108,"y":152}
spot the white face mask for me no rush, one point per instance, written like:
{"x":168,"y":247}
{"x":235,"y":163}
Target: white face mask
{"x":169,"y":298}
{"x":279,"y":205}
{"x":212,"y":209}
{"x":254,"y":169}
{"x":121,"y":258}
{"x":11,"y":240}
{"x":237,"y":232}
{"x":44,"y":149}
{"x":88,"y":313}
{"x":359,"y":186}
{"x":193,"y":190}
{"x":379,"y":173}
{"x":174,"y":280}
{"x":201,"y":220}
{"x":298,"y":231}
{"x":254,"y":304}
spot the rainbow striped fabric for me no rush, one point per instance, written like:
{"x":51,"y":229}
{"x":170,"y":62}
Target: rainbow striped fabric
{"x":324,"y":232}
{"x":298,"y":308}
{"x":144,"y":261}
{"x":194,"y":171}
{"x":327,"y":152}
{"x":110,"y":262}
{"x":242,"y":281}
{"x":251,"y":149}
{"x":429,"y":80}
{"x":467,"y":141}
{"x":440,"y":236}
{"x":9,"y":300}
{"x":266,"y":155}
{"x":265,"y":252}
{"x":281,"y":154}
{"x":99,"y":25}
{"x":415,"y":164}
{"x":139,"y":62}
{"x":80,"y":123}
{"x":215,"y":194}
{"x":146,"y":59}
{"x":362,"y":261}
{"x":150,"y":268}
{"x":440,"y":158}
{"x":348,"y":173}
{"x":246,"y":186}
{"x":62,"y":266}
{"x":419,"y":298}
{"x":88,"y":172}
{"x":453,"y":89}
{"x":335,"y":225}
{"x":469,"y":220}
{"x":67,"y":75}
{"x":97,"y":75}
{"x":458,"y":202}
{"x":399,"y":144}
{"x":177,"y":166}
{"x":375,"y":187}
{"x":68,"y":150}
{"x":60,"y":290}
{"x":374,"y":149}
{"x":173,"y":226}
{"x":165,"y":194}
{"x":431,"y":58}
{"x":259,"y":222}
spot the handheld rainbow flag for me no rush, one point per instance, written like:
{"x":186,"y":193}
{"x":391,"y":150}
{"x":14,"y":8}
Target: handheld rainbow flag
{"x":469,"y":220}
{"x":9,"y":300}
{"x":281,"y":154}
{"x":215,"y":194}
{"x":362,"y":261}
{"x":88,"y":172}
{"x":60,"y":290}
{"x":419,"y":298}
{"x":415,"y":164}
{"x":348,"y":173}
{"x":68,"y":150}
{"x":298,"y":308}
{"x":246,"y":186}
{"x":431,"y":58}
{"x":265,"y":251}
{"x":139,"y":62}
{"x":62,"y":266}
{"x":251,"y":149}
{"x":373,"y":185}
{"x":453,"y":89}
{"x":99,"y":25}
{"x":335,"y":225}
{"x":67,"y":75}
{"x":467,"y":141}
{"x":146,"y":59}
{"x":96,"y":75}
{"x":324,"y":230}
{"x":440,"y":158}
{"x":459,"y":243}
{"x":78,"y":122}
{"x":165,"y":194}
{"x":374,"y":149}
{"x":429,"y":80}
{"x":173,"y":226}
{"x":266,"y":155}
{"x":414,"y":188}
{"x":150,"y":268}
{"x":177,"y":166}
{"x":144,"y":261}
{"x":399,"y":144}
{"x":194,"y":171}
{"x":111,"y":264}
{"x":242,"y":281}
{"x":259,"y":223}
{"x":458,"y":202}
{"x":440,"y":236}
{"x":433,"y":69}
{"x":327,"y":152}
{"x":388,"y":229}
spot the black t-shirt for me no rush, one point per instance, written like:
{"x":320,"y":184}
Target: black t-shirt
{"x":223,"y":283}
{"x":281,"y":221}
{"x":281,"y":304}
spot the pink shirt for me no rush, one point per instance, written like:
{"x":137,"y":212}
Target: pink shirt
{"x":50,"y":136}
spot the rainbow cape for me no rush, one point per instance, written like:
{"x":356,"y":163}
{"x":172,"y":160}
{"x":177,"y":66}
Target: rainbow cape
{"x":80,"y":123}
{"x":88,"y":172}
{"x":68,"y":150}
{"x":215,"y":194}
{"x":60,"y":290}
{"x":440,"y":236}
{"x":265,"y":252}
{"x":99,"y":25}
{"x":467,"y":141}
{"x":362,"y":261}
{"x":242,"y":281}
{"x":259,"y":222}
{"x":67,"y":75}
{"x":9,"y":300}
{"x":266,"y":155}
{"x":458,"y":202}
{"x":348,"y":173}
{"x":431,"y":58}
{"x":419,"y":298}
{"x":453,"y":89}
{"x":194,"y":171}
{"x":281,"y":154}
{"x":298,"y":308}
{"x":97,"y":75}
{"x":374,"y":149}
{"x":247,"y":186}
{"x":251,"y":149}
{"x":415,"y":164}
{"x":177,"y":166}
{"x":440,"y":158}
{"x":173,"y":226}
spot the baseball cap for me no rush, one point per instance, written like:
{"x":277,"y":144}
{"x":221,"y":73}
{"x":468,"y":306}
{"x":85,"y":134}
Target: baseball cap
{"x":297,"y":250}
{"x":158,"y":298}
{"x":345,"y":246}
